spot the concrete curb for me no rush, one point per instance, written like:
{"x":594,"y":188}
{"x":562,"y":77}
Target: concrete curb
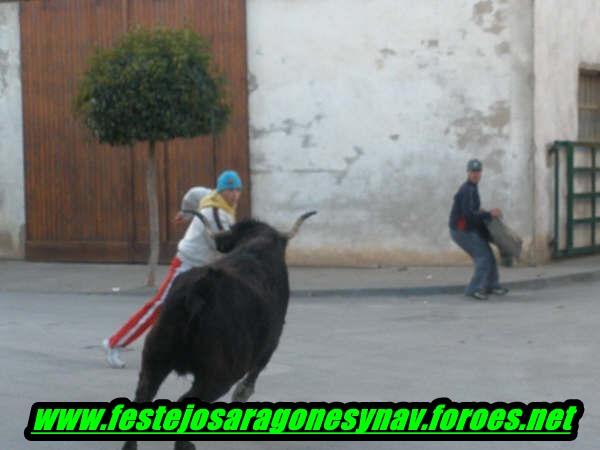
{"x":538,"y":283}
{"x":414,"y":291}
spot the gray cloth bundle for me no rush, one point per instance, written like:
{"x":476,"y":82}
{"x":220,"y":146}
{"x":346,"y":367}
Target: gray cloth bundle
{"x":507,"y":240}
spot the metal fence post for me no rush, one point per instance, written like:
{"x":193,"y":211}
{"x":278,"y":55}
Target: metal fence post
{"x":570,"y":189}
{"x":556,"y":148}
{"x":593,"y":175}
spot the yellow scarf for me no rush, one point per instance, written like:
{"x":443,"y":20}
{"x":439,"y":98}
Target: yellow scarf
{"x":214,"y":200}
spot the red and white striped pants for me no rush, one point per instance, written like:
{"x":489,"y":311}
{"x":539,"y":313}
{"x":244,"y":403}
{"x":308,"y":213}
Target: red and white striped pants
{"x":145,"y":317}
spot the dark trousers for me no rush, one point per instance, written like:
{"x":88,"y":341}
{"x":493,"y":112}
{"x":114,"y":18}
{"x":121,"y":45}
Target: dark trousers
{"x":485,"y":276}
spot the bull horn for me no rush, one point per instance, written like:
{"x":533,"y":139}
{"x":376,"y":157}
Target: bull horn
{"x":204,"y":220}
{"x":290,"y":234}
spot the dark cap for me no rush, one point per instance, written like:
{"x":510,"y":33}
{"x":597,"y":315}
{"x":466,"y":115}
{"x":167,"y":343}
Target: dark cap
{"x":474,"y":165}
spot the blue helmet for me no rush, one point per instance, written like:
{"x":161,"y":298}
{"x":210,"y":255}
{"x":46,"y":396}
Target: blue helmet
{"x":229,"y":179}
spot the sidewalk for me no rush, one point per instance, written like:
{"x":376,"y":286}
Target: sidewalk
{"x":115,"y":279}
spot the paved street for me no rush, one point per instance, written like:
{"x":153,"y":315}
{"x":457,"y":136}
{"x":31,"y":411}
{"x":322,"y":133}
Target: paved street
{"x":539,"y":345}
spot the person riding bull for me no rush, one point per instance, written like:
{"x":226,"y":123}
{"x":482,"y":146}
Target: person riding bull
{"x":195,"y":249}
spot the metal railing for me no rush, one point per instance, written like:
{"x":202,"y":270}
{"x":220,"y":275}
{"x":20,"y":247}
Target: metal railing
{"x":581,"y":167}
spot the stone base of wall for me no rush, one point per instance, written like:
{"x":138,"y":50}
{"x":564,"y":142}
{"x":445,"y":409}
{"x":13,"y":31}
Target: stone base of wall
{"x":334,"y":257}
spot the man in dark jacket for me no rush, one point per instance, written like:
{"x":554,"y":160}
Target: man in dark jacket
{"x":468,"y":230}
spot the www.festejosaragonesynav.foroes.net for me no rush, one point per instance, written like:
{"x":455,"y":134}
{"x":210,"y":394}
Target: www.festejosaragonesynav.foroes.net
{"x":441,"y":419}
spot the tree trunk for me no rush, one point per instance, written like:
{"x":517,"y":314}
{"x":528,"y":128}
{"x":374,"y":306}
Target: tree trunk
{"x":151,"y":188}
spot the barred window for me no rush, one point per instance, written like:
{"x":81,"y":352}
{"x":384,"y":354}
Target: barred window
{"x":589,"y":105}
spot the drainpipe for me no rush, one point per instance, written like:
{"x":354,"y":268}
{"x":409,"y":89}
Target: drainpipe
{"x":533,"y":150}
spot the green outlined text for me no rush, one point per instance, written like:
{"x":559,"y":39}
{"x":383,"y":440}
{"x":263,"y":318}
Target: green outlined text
{"x":441,"y":419}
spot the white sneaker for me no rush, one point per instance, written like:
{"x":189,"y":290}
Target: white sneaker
{"x":113,"y":356}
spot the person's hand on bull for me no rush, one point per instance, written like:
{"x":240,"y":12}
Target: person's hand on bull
{"x":496,"y":212}
{"x":180,"y":218}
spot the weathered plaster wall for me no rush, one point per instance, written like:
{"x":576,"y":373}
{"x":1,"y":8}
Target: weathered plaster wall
{"x":12,"y":203}
{"x":565,"y":41}
{"x":368,"y":110}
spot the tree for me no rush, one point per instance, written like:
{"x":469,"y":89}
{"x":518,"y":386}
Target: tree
{"x":152,"y":86}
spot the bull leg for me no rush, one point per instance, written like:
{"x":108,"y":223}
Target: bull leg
{"x":130,"y":445}
{"x":150,"y":380}
{"x":205,"y":393}
{"x":245,"y":388}
{"x":158,"y":354}
{"x":184,"y":445}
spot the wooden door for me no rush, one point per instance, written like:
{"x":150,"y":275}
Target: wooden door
{"x":85,"y":201}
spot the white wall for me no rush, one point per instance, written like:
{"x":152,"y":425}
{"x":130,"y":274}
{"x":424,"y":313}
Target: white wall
{"x":566,"y":38}
{"x":368,"y":111}
{"x":12,"y":202}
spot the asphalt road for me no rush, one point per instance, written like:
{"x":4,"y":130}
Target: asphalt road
{"x":540,"y":345}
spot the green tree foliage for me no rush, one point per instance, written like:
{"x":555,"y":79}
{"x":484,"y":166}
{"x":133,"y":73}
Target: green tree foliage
{"x":153,"y":85}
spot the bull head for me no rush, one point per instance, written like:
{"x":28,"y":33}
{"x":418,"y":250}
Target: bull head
{"x":289,"y":235}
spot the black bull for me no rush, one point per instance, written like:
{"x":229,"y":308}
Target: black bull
{"x":221,"y":322}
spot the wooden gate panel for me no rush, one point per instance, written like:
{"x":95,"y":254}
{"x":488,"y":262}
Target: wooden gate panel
{"x":74,"y":187}
{"x":229,"y":46}
{"x":87,"y":202}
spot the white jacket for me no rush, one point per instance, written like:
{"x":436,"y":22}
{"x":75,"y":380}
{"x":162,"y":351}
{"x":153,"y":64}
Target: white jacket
{"x":196,"y":248}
